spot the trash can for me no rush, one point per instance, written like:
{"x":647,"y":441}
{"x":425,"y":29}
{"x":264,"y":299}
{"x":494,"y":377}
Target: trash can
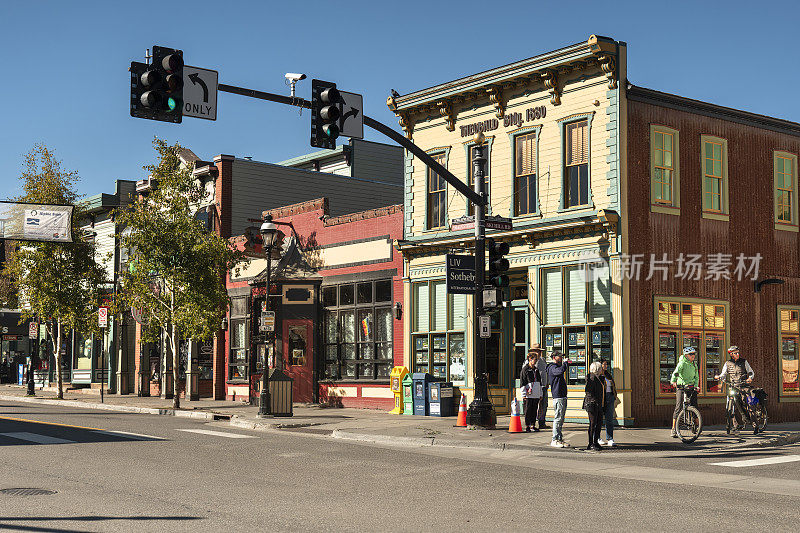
{"x":408,"y":397}
{"x":440,"y":398}
{"x":421,"y":380}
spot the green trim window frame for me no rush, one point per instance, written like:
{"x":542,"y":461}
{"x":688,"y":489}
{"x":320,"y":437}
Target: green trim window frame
{"x":575,"y":300}
{"x":436,"y":193}
{"x":683,"y":322}
{"x":785,"y":179}
{"x":665,"y":190}
{"x":788,"y":349}
{"x":525,"y":169}
{"x":357,"y":330}
{"x":438,"y":324}
{"x":714,"y":175}
{"x":239,"y":327}
{"x":469,"y":148}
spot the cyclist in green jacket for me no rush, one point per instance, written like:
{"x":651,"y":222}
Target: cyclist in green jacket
{"x":684,"y":374}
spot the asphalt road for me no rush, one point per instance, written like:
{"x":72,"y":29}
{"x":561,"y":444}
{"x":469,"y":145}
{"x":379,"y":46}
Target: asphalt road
{"x":122,"y":472}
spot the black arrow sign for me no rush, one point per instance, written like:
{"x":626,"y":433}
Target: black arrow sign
{"x":352,"y":113}
{"x":195,"y":80}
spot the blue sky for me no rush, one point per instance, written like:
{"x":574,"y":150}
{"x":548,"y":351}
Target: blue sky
{"x":65,"y":77}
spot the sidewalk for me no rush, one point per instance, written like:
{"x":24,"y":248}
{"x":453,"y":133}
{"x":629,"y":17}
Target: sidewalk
{"x":366,"y":425}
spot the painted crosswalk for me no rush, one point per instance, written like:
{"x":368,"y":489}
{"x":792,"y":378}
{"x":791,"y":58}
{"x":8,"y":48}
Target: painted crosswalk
{"x":36,"y":438}
{"x":772,"y":460}
{"x":219,"y":433}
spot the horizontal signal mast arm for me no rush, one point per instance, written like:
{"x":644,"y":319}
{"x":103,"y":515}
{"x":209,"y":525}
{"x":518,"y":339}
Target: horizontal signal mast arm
{"x":459,"y":185}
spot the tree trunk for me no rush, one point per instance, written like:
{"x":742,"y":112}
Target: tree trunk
{"x":59,"y":378}
{"x":176,"y":359}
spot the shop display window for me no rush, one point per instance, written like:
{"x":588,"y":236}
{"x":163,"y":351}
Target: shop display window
{"x":789,"y":343}
{"x":358,"y":331}
{"x":700,"y":325}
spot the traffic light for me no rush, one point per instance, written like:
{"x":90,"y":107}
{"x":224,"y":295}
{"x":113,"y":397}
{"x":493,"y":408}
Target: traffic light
{"x":157,"y":89}
{"x":326,"y":105}
{"x":497,"y":263}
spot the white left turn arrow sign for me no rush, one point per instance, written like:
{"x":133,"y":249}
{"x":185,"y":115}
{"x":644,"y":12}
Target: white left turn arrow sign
{"x":200,"y":92}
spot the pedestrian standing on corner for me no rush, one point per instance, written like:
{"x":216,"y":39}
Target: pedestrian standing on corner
{"x":593,"y":403}
{"x":558,"y":389}
{"x":609,"y":414}
{"x":542,"y":366}
{"x":530,"y":380}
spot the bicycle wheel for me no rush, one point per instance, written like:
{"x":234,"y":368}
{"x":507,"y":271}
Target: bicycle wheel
{"x":689,"y":424}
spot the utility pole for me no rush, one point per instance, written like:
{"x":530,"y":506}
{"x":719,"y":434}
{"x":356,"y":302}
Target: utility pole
{"x":481,"y":411}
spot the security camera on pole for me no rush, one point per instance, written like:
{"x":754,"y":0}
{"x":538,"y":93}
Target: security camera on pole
{"x":481,"y":411}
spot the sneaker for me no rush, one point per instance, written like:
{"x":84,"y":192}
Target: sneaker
{"x":601,"y":442}
{"x":556,"y":444}
{"x":610,"y":443}
{"x":543,"y":426}
{"x":674,"y":434}
{"x":564,"y":444}
{"x":597,"y":448}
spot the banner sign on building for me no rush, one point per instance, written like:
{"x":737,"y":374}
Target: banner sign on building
{"x":461,"y":274}
{"x":35,"y":222}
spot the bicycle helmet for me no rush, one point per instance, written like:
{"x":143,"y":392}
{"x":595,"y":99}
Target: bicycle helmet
{"x":733,"y":348}
{"x":689,"y":349}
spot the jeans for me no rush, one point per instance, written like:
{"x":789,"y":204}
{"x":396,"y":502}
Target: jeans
{"x":559,"y":409}
{"x":610,"y":415}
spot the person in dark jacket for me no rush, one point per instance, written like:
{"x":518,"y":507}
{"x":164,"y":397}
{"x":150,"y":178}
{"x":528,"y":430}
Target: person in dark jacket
{"x":558,"y":391}
{"x":609,"y":415}
{"x":593,"y":403}
{"x":527,"y":378}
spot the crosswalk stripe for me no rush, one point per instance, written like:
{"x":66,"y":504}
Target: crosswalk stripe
{"x":129,"y":435}
{"x":219,"y":433}
{"x":775,"y":459}
{"x":35,"y":437}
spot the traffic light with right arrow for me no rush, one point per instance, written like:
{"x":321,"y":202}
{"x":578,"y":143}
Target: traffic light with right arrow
{"x":325,"y":113}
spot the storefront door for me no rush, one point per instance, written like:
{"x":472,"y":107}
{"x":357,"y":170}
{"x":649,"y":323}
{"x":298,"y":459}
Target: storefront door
{"x":298,"y":357}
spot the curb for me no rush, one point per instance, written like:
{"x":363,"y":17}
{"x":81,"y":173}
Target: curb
{"x":202,"y":415}
{"x":239,"y":422}
{"x":418,"y":442}
{"x":781,"y":440}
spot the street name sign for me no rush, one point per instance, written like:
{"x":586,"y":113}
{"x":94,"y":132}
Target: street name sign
{"x":461,"y":274}
{"x":352,"y":122}
{"x":200,"y":92}
{"x":490,"y":222}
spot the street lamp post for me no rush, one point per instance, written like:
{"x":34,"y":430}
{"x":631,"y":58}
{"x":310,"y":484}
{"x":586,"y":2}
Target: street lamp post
{"x":269,"y":233}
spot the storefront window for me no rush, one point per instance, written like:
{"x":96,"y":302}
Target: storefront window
{"x":238,"y":363}
{"x":358,"y":331}
{"x":788,"y":341}
{"x":438,"y":322}
{"x":576,"y":315}
{"x":681,"y":324}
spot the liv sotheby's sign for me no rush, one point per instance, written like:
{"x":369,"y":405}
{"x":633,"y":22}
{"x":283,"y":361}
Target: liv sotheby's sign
{"x":461,"y":274}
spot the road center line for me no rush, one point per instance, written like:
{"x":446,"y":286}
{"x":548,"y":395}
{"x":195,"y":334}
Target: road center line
{"x":219,"y":433}
{"x":775,"y":459}
{"x":35,"y":437}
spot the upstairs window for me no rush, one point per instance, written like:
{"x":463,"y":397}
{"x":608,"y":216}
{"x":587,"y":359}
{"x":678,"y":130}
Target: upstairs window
{"x":785,"y":178}
{"x":576,"y":164}
{"x":525,"y":174}
{"x":715,"y":176}
{"x":437,"y":194}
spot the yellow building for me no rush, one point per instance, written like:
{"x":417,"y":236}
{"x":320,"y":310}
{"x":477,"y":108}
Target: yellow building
{"x":553,"y":144}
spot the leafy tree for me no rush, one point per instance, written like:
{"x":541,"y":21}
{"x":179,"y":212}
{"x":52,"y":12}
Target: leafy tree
{"x":177,"y":270}
{"x":57,"y":282}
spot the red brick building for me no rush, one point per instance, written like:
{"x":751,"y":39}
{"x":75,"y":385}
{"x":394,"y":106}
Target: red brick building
{"x":338,"y":296}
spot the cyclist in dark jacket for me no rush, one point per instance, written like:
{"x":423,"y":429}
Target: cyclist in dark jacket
{"x":741,"y":375}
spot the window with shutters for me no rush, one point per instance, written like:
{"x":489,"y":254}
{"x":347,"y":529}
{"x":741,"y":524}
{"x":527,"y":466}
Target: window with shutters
{"x":576,"y":316}
{"x":714,"y":158}
{"x":437,"y":196}
{"x":358,"y":330}
{"x":576,"y":163}
{"x":525,"y":171}
{"x":785,"y":178}
{"x":439,"y":321}
{"x":664,"y":169}
{"x":471,"y":173}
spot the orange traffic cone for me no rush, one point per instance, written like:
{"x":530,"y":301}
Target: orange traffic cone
{"x":515,"y":426}
{"x":462,"y":412}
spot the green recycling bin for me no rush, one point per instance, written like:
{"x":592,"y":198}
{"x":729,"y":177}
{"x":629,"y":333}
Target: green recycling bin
{"x":408,"y":398}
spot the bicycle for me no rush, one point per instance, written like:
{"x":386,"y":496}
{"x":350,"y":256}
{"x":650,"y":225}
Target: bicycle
{"x":756,"y":408}
{"x":689,"y":423}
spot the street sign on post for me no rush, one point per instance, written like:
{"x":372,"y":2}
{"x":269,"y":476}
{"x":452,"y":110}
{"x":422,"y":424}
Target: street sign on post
{"x":267,"y":322}
{"x":200,"y":92}
{"x":490,"y":222}
{"x":461,"y":274}
{"x":102,"y":317}
{"x":485,"y":326}
{"x":33,"y":330}
{"x":351,"y":124}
